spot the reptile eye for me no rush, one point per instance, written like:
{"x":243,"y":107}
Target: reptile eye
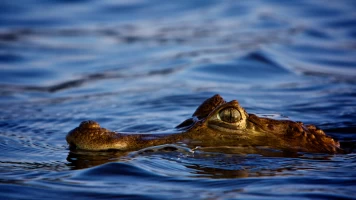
{"x":230,"y":115}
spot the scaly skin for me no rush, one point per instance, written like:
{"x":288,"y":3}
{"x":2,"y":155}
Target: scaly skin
{"x":215,"y":123}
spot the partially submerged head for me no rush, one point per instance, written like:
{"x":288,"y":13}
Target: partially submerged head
{"x":214,"y":123}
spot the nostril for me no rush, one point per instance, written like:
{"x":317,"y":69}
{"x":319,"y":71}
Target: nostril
{"x":89,"y":124}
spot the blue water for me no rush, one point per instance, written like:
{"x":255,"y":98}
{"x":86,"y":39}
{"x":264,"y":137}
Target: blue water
{"x":144,"y":66}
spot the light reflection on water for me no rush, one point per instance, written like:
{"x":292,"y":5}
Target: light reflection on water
{"x":144,"y":66}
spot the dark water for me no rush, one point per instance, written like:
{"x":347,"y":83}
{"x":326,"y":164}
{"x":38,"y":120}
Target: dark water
{"x":144,"y":66}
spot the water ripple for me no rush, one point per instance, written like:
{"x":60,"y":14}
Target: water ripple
{"x":144,"y":66}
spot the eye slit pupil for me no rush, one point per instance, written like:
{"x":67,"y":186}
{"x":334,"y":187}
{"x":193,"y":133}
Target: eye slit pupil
{"x":230,"y":115}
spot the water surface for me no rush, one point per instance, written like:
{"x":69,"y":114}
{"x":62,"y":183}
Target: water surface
{"x":144,"y":66}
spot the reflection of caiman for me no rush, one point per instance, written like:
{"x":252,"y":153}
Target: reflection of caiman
{"x":215,"y":123}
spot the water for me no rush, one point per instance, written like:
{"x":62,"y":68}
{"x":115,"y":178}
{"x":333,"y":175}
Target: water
{"x":144,"y":66}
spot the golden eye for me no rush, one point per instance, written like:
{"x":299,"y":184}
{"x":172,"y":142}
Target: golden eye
{"x":230,"y":115}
